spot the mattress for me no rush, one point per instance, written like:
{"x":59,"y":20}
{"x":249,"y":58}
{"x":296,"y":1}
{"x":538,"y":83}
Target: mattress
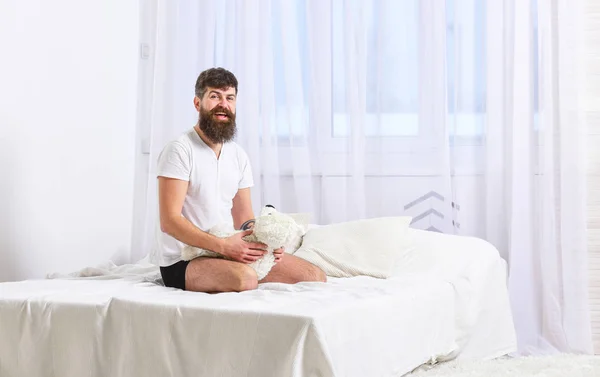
{"x":484,"y":323}
{"x":447,"y":299}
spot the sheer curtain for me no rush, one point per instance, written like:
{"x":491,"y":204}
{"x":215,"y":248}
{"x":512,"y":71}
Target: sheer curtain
{"x":460,"y":113}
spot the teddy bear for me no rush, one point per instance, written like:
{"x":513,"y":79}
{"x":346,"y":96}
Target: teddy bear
{"x":273,"y":228}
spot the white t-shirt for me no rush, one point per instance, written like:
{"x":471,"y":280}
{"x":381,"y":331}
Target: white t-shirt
{"x":212,"y":185}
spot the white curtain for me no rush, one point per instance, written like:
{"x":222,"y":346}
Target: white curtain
{"x":461,"y":113}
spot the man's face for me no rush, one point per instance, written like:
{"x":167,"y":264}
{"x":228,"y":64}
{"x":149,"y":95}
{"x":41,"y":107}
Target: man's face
{"x":217,"y":114}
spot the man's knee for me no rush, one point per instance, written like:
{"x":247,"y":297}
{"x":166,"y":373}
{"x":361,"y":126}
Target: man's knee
{"x":314,"y":273}
{"x":244,"y":279}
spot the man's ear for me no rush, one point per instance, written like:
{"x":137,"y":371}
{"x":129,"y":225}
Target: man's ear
{"x":197,"y":103}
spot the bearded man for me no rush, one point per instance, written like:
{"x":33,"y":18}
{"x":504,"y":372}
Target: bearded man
{"x":204,"y":179}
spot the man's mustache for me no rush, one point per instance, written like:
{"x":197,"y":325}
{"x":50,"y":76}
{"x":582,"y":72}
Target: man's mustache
{"x":220,"y":109}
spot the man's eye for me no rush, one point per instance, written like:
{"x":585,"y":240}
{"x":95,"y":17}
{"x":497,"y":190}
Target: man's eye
{"x":213,"y":97}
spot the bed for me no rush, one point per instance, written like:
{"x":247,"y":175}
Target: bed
{"x":447,"y":299}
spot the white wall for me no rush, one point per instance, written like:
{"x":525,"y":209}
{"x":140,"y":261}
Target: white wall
{"x":68,"y":87}
{"x":591,"y":66}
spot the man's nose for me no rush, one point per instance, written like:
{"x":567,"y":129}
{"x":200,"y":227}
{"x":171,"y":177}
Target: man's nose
{"x":223,"y":102}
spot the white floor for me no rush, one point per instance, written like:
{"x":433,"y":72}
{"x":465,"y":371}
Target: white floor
{"x":540,"y":366}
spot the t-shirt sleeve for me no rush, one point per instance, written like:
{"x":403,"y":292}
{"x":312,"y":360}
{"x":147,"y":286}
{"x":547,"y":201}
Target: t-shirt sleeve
{"x":174,"y":162}
{"x":246,"y":179}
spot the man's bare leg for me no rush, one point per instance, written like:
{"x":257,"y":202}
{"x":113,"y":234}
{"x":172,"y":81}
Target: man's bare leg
{"x":219,"y":275}
{"x":213,"y":275}
{"x":292,"y":270}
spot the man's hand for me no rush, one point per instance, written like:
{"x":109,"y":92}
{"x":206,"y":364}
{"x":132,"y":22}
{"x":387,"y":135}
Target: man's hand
{"x":235,"y":248}
{"x":278,"y":254}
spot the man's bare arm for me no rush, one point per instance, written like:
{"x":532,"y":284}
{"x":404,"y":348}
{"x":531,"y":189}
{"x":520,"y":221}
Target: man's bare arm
{"x":241,"y":211}
{"x":171,"y":195}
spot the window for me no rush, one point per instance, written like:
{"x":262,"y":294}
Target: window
{"x":393,"y":73}
{"x":291,"y":67}
{"x":392,"y":67}
{"x":395,"y":76}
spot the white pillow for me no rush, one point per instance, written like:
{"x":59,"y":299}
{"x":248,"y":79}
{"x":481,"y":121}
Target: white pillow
{"x":364,"y":247}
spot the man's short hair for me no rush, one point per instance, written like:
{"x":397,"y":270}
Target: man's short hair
{"x":218,"y":78}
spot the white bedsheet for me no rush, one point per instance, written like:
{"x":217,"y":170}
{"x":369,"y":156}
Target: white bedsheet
{"x":355,"y":327}
{"x":448,"y":298}
{"x":484,"y":324}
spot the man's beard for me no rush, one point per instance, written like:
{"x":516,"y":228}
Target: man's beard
{"x":217,"y":131}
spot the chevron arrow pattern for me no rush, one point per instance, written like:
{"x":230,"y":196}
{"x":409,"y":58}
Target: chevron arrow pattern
{"x":430,"y":194}
{"x":431,"y":213}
